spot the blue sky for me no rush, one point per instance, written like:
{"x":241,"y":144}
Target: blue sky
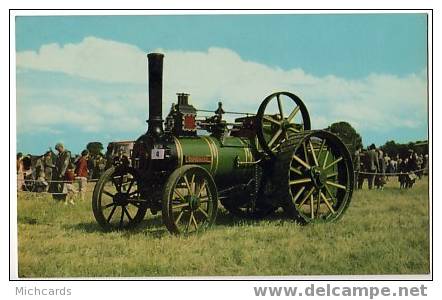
{"x":368,"y":69}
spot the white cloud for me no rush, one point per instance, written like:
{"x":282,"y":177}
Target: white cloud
{"x":92,"y":58}
{"x":379,"y":101}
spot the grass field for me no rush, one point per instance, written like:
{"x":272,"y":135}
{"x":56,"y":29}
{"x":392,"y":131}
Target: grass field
{"x":383,"y":232}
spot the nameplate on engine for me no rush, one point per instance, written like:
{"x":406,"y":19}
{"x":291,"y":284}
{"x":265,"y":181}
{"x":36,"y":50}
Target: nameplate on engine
{"x":194,"y":159}
{"x":157,"y":153}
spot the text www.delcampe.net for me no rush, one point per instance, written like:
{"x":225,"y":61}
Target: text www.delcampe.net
{"x":339,"y":291}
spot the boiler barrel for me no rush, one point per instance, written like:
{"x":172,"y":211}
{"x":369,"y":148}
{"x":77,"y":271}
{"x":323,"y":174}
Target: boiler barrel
{"x":221,"y":160}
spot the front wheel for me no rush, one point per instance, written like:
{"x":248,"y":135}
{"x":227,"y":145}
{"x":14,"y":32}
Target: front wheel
{"x":190,"y":200}
{"x":116,"y":200}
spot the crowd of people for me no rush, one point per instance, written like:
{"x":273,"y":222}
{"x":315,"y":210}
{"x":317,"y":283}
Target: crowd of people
{"x":58,"y":175}
{"x":376,"y":166}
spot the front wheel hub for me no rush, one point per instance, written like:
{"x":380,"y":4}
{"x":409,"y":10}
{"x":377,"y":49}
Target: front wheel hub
{"x":194,"y":202}
{"x":120,"y":199}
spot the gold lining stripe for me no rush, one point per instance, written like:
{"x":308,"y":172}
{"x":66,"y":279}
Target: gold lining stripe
{"x":179,"y":150}
{"x":246,"y":154}
{"x":211,"y":152}
{"x":250,"y":155}
{"x":215,"y":154}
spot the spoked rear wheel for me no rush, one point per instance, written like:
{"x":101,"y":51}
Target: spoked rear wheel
{"x":316,"y":178}
{"x":116,"y":200}
{"x":190,"y":200}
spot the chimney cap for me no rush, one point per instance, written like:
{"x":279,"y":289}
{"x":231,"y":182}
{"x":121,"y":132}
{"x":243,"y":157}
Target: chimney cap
{"x":155,"y":54}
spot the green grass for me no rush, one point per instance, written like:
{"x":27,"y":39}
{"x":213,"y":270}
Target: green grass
{"x":382,"y":232}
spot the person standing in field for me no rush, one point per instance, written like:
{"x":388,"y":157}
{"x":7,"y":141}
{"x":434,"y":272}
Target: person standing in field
{"x":64,"y":173}
{"x":420,"y":163}
{"x":380,"y":179}
{"x":41,"y":185}
{"x":426,"y":164}
{"x":387,"y":160}
{"x":81,"y":173}
{"x":20,"y":172}
{"x":48,"y":165}
{"x":357,"y":166}
{"x":373,"y":165}
{"x":402,"y":170}
{"x":411,"y":168}
{"x":69,"y":188}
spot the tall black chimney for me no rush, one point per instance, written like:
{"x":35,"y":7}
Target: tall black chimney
{"x":155,"y":93}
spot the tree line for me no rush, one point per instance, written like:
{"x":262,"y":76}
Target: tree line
{"x":353,"y":140}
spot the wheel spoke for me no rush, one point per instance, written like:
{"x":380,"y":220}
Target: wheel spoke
{"x":306,"y":196}
{"x":330,"y":193}
{"x":127,"y":213}
{"x":298,"y":181}
{"x":111,"y":214}
{"x":108,"y":193}
{"x":339,"y":186}
{"x":179,"y":217}
{"x":301,"y":161}
{"x":188,"y":185}
{"x":275,"y":137}
{"x":313,"y":153}
{"x":292,"y":114}
{"x":305,"y":153}
{"x":298,"y":194}
{"x":107,"y":206}
{"x":190,"y":221}
{"x":312,"y":214}
{"x":332,"y":174}
{"x":204,"y":213}
{"x":270,"y":119}
{"x":326,"y":202}
{"x":333,"y":163}
{"x":295,"y":170}
{"x":321,"y":148}
{"x":280,"y":106}
{"x":194,"y":221}
{"x":179,"y":195}
{"x":203,"y":186}
{"x":192,"y":184}
{"x":130,"y":185}
{"x":325,"y":159}
{"x":180,"y":205}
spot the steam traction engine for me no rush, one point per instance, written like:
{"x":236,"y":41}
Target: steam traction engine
{"x":253,"y":166}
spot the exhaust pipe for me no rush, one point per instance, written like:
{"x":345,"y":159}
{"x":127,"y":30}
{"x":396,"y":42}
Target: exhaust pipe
{"x":155,"y":61}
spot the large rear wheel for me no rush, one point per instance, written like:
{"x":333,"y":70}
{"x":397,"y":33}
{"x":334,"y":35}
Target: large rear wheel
{"x":315,"y":178}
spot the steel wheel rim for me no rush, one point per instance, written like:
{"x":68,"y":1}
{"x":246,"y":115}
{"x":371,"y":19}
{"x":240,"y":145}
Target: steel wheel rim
{"x":320,"y":178}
